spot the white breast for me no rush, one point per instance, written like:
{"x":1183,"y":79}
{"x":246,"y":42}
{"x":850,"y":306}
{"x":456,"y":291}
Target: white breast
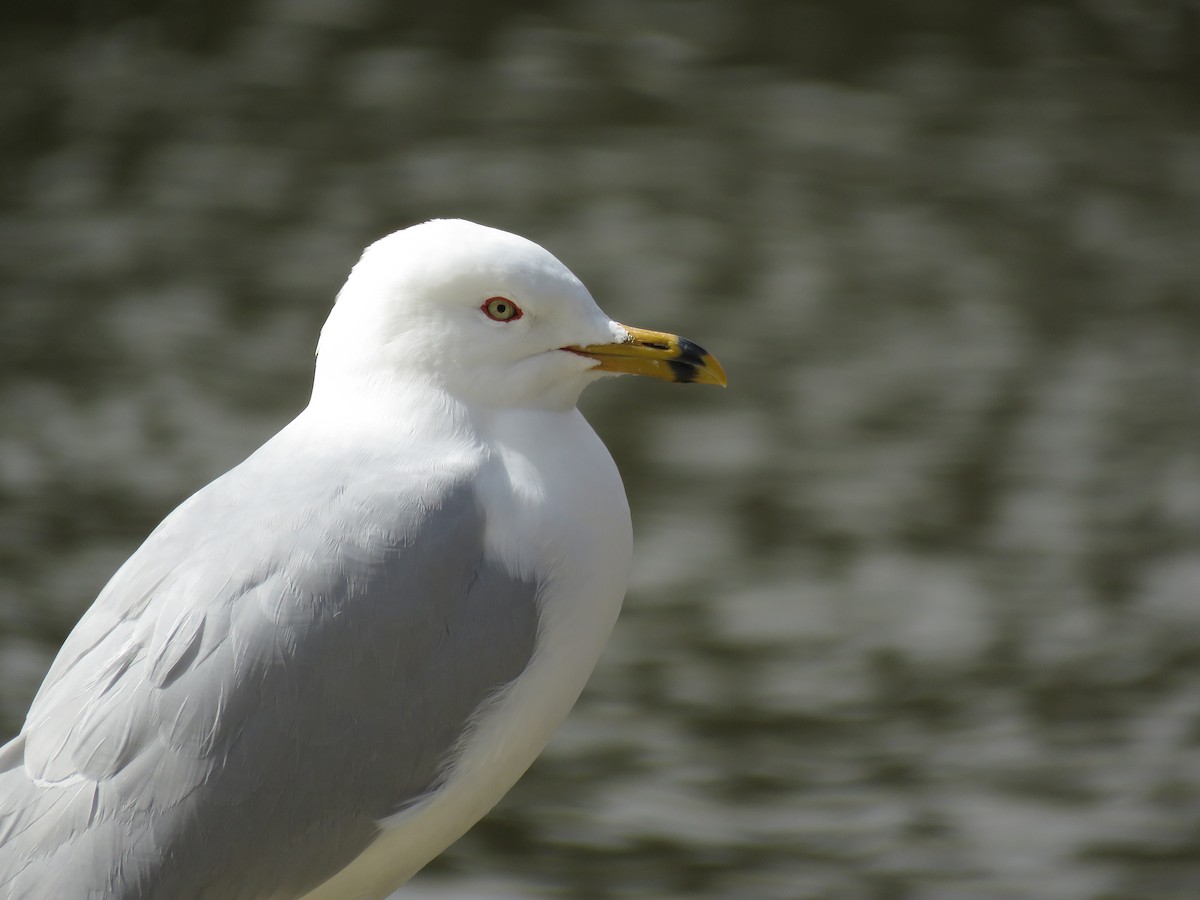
{"x":556,"y":511}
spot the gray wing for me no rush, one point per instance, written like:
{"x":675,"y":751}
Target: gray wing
{"x":289,"y":658}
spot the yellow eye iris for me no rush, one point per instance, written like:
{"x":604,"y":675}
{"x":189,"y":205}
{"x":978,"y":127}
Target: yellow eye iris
{"x":501,"y":309}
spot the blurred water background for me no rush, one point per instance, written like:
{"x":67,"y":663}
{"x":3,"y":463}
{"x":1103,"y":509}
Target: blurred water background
{"x":916,"y":607}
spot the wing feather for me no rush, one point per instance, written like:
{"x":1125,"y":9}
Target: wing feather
{"x":282,"y":664}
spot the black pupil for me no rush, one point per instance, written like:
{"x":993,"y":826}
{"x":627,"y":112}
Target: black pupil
{"x":501,"y":309}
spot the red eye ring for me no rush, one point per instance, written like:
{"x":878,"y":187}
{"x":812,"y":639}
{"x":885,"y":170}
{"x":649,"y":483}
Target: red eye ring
{"x":501,"y":309}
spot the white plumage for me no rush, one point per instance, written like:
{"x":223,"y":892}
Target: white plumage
{"x":328,"y":664}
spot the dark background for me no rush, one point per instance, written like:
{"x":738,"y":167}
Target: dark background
{"x":916,"y":607}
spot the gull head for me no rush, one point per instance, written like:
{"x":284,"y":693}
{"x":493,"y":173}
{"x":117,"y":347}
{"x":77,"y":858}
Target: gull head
{"x":490,"y":317}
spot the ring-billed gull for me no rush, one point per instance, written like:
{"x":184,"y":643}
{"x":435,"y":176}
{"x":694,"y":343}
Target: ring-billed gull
{"x":325,"y":666}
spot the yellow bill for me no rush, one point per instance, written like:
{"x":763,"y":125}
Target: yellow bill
{"x":657,"y":354}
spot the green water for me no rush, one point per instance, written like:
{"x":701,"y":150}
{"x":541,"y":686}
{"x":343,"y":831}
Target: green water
{"x":916,"y":606}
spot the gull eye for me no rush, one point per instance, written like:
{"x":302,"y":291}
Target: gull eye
{"x":501,"y":309}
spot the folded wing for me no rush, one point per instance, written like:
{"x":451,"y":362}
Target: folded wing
{"x":290,"y":657}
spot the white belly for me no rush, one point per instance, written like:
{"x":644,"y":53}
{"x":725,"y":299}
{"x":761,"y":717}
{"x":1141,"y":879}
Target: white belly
{"x":575,"y":536}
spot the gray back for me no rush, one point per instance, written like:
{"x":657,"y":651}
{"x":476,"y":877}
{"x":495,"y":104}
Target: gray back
{"x":290,"y":657}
